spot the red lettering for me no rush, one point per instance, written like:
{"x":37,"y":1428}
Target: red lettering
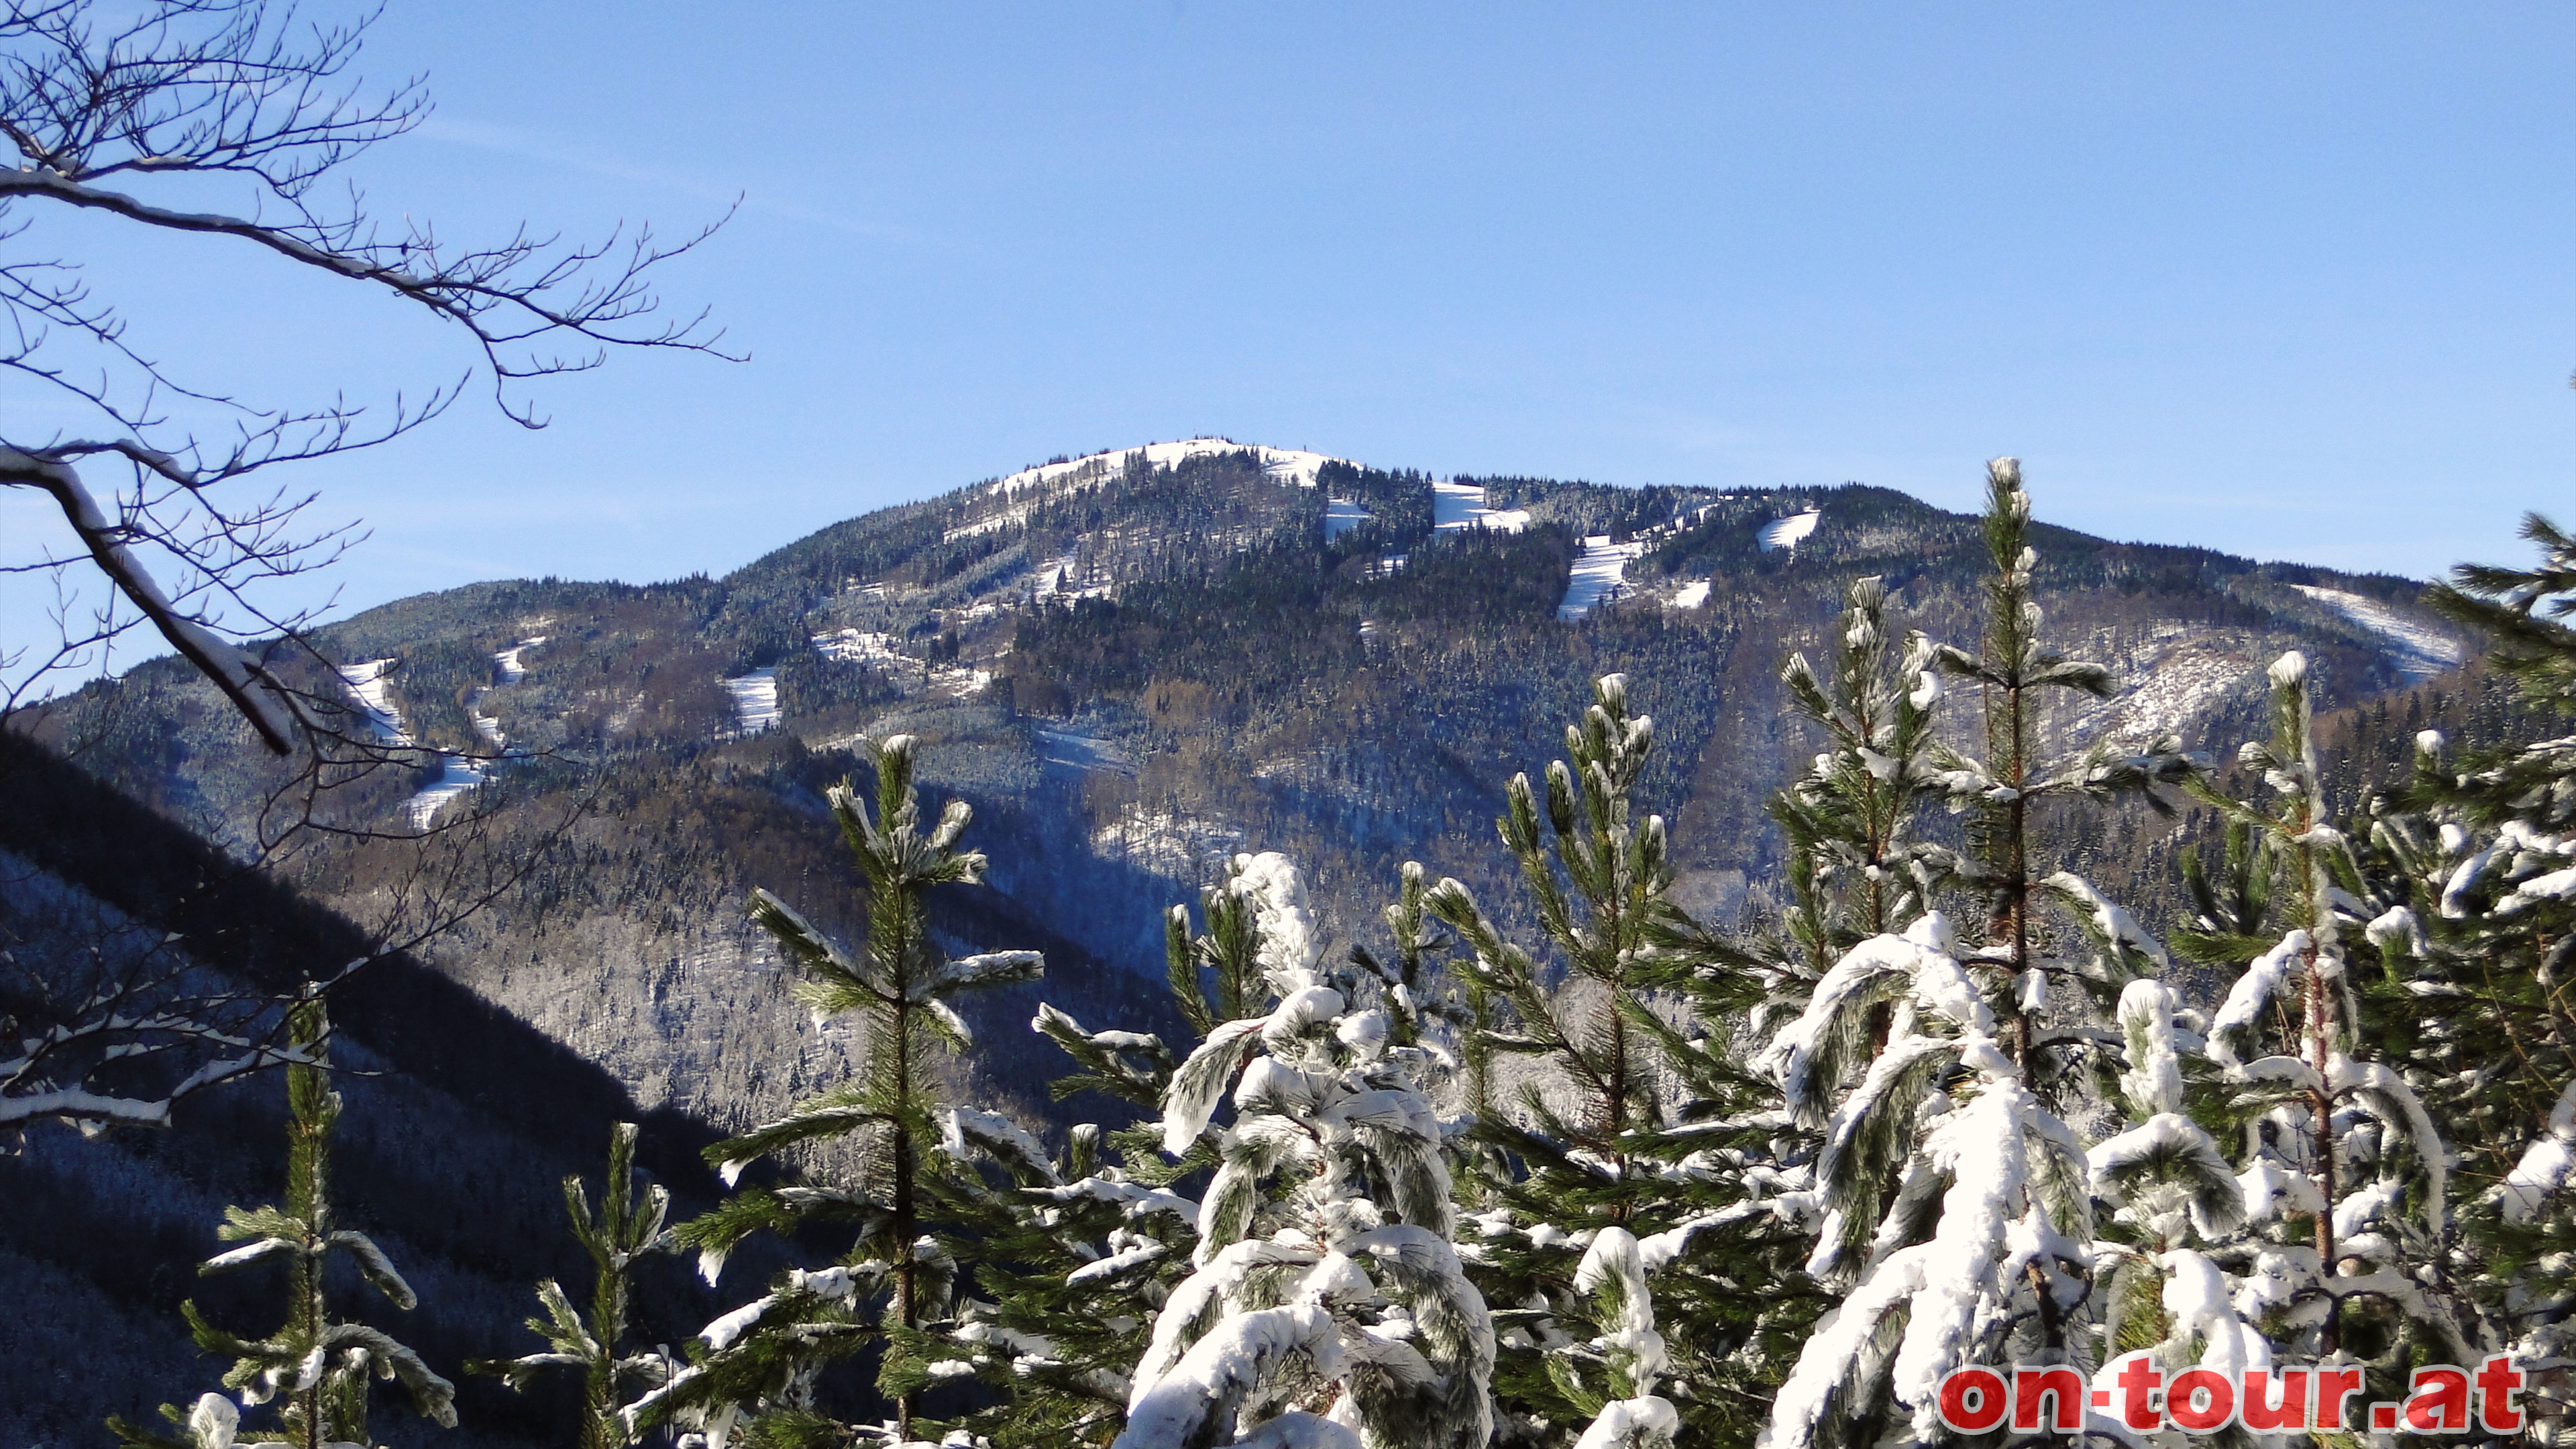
{"x":2334,"y":1385}
{"x":2200,"y":1400}
{"x":2063,"y":1386}
{"x":2137,"y":1380}
{"x":1973,"y":1400}
{"x":2259,"y":1410}
{"x":2438,"y":1400}
{"x":2497,"y":1384}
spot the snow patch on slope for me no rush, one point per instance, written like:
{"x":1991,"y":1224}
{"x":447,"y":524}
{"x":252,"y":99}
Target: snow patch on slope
{"x":1599,"y":573}
{"x":2164,"y":685}
{"x":1458,"y":506}
{"x":371,"y":687}
{"x":755,"y":701}
{"x":1693,"y":595}
{"x":1788,"y":532}
{"x":1174,"y":846}
{"x":1284,"y":465}
{"x":2418,"y":650}
{"x":1080,"y":752}
{"x":1341,"y":515}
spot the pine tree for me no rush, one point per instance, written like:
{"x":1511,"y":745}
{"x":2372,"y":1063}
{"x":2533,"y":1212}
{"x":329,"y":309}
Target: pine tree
{"x":1635,"y":1137}
{"x":756,"y":1366}
{"x":315,"y":1368}
{"x":1327,"y":1305}
{"x":626,"y":1225}
{"x":1957,"y":1202}
{"x":1856,"y":869}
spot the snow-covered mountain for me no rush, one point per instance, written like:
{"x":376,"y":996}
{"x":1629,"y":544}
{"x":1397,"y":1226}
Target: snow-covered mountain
{"x":1139,"y":661}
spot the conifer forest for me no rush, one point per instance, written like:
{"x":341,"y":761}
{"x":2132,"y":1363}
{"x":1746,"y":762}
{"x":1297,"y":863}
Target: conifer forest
{"x":1203,"y":944}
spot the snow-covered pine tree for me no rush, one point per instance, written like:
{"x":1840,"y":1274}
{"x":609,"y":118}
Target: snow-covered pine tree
{"x":315,"y":1369}
{"x":2345,"y":1184}
{"x":2487,"y":842}
{"x":1327,"y":1305}
{"x":1072,"y":1247}
{"x":756,"y":1366}
{"x":1958,"y":1215}
{"x":1632,"y":1152}
{"x":1856,"y":869}
{"x":626,"y":1225}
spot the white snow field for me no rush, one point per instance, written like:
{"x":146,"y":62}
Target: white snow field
{"x":1693,"y":595}
{"x":858,"y":645}
{"x":1787,"y":532}
{"x":2164,"y":683}
{"x":1457,"y":506}
{"x":371,"y":686}
{"x":2419,"y":650}
{"x":1081,"y":752}
{"x":1341,"y":515}
{"x":755,"y":701}
{"x":513,"y":668}
{"x":1598,"y":574}
{"x":456,"y":776}
{"x":1285,"y":465}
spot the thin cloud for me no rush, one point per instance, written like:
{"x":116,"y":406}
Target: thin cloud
{"x":509,"y":142}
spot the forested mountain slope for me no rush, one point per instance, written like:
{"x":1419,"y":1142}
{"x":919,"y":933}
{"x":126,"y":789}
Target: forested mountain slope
{"x":1137,"y":663}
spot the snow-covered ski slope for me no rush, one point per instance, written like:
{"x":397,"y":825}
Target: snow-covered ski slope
{"x":1341,"y":515}
{"x":2419,"y":650}
{"x":755,"y":701}
{"x":1788,"y":532}
{"x":1456,"y":506}
{"x":1286,"y":465}
{"x":1598,"y":574}
{"x":370,"y":684}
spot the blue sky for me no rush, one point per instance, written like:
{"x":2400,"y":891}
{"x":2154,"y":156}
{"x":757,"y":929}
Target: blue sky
{"x":2289,"y":280}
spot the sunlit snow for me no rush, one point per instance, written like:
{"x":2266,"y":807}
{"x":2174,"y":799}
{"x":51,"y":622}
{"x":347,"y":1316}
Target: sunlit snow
{"x":1081,"y":752}
{"x":1285,"y":465}
{"x":1341,"y":515}
{"x":1788,"y":532}
{"x":1456,"y":506}
{"x":858,"y":646}
{"x":2418,"y":650}
{"x":755,"y":701}
{"x":513,"y":667}
{"x":1692,"y":595}
{"x":371,"y":685}
{"x":1598,"y":573}
{"x":456,"y":776}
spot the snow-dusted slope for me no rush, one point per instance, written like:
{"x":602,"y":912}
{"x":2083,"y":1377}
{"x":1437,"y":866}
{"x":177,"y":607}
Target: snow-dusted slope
{"x":371,"y":685}
{"x":1341,"y":515}
{"x":1788,"y":532}
{"x":1456,"y":506}
{"x":1693,"y":595}
{"x":755,"y":701}
{"x":1286,"y":465}
{"x":1598,"y":573}
{"x":2419,"y":650}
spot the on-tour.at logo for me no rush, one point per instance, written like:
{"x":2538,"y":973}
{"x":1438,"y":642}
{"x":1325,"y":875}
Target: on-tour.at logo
{"x":2135,"y":1393}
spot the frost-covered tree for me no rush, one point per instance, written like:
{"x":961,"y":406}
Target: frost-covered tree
{"x":1856,"y":869}
{"x":1077,"y":1250}
{"x":757,"y":1365}
{"x":1957,"y":1211}
{"x":1326,"y":1304}
{"x":315,"y":1369}
{"x":2346,"y":1182}
{"x":626,"y":1225}
{"x":1634,"y":1130}
{"x":2006,"y":791}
